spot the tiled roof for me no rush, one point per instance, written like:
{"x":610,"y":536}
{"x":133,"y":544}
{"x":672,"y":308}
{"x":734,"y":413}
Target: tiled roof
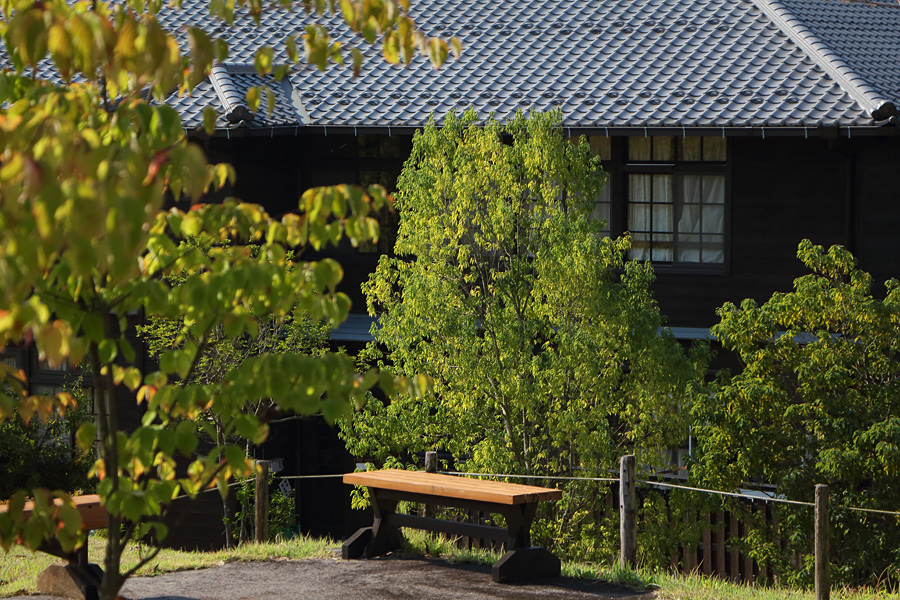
{"x":857,"y":44}
{"x":605,"y":63}
{"x":610,"y":64}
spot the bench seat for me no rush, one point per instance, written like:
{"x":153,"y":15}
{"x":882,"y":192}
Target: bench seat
{"x":449,"y":486}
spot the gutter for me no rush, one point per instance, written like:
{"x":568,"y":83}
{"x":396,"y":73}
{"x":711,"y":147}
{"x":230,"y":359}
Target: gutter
{"x":761,"y":131}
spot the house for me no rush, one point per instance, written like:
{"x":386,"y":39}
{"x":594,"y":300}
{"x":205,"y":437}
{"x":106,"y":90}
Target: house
{"x":731,"y":130}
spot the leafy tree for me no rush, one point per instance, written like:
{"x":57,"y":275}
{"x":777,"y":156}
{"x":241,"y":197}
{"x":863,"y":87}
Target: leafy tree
{"x":817,"y":401}
{"x":85,"y":242}
{"x":42,"y":454}
{"x":542,"y":341}
{"x":222,"y":354}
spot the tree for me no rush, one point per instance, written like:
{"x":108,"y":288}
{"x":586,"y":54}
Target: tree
{"x":41,"y":454}
{"x":817,"y":401}
{"x":221,"y":354}
{"x":543,"y":343}
{"x":85,"y":242}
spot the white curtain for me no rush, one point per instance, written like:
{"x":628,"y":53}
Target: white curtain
{"x":701,"y":220}
{"x":650,"y":217}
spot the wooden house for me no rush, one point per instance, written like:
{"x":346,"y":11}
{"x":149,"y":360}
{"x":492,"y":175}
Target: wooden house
{"x":730,"y":129}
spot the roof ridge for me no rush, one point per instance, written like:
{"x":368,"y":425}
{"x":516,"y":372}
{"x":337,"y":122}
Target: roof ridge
{"x":232,"y":100}
{"x":872,"y":101}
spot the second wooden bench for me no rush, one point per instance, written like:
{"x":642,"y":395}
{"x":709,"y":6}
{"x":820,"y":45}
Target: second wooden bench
{"x":516,"y":503}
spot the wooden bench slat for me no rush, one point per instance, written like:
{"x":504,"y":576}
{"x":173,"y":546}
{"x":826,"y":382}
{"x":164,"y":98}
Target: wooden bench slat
{"x":93,"y":515}
{"x":450,"y":486}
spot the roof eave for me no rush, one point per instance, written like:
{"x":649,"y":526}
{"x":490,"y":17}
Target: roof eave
{"x":888,"y":128}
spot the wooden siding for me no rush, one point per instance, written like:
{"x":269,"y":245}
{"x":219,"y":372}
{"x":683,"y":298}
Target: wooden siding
{"x":782,"y":191}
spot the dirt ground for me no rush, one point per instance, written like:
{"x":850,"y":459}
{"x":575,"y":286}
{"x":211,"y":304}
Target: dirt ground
{"x":379,"y":579}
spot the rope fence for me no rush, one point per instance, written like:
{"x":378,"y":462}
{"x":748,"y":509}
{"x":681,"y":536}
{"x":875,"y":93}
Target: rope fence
{"x":628,"y":522}
{"x":627,"y":507}
{"x":763,"y":496}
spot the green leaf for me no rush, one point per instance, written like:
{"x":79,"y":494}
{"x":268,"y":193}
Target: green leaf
{"x":235,"y":457}
{"x":108,"y":350}
{"x":210,"y":116}
{"x":85,"y":436}
{"x":455,"y":47}
{"x":263,"y":60}
{"x":253,"y":98}
{"x":437,"y":51}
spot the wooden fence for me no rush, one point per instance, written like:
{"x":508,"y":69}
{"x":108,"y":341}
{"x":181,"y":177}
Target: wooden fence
{"x":720,"y":534}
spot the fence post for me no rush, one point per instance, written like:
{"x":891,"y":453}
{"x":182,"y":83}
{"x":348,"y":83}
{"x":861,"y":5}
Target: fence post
{"x":627,"y":513}
{"x":431,"y":464}
{"x":823,"y":566}
{"x":262,"y":501}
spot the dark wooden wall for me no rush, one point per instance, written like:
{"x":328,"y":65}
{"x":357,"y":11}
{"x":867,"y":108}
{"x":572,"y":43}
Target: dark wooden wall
{"x":784,"y":190}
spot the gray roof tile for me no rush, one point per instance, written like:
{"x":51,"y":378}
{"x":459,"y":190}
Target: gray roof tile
{"x":605,"y":63}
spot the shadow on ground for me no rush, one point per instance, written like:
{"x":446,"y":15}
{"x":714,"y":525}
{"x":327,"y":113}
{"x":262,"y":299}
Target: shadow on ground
{"x":387,"y":578}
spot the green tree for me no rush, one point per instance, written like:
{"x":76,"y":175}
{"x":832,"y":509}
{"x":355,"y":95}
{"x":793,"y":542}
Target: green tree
{"x":85,"y":242}
{"x":543,"y":343}
{"x":222,"y":354}
{"x":42,"y":454}
{"x":817,"y":400}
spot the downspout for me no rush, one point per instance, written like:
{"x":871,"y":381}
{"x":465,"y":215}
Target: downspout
{"x":850,"y":203}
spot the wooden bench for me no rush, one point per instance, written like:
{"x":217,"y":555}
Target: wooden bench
{"x":517,"y":504}
{"x":79,"y":578}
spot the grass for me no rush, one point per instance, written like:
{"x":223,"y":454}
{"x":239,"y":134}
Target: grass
{"x":667,"y":586}
{"x":19,"y":568}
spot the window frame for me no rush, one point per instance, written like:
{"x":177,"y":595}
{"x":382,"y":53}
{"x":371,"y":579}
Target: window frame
{"x":619,"y":168}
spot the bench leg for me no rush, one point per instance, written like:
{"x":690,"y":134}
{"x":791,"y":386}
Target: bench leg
{"x":521,"y":561}
{"x":518,"y":524}
{"x":70,"y":581}
{"x":523,"y":564}
{"x":356,"y":544}
{"x":384,"y":537}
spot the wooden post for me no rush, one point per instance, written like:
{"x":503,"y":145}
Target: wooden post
{"x":733,"y":544}
{"x":431,"y":465}
{"x":823,"y":575}
{"x":431,"y":462}
{"x":706,"y":524}
{"x":720,"y":544}
{"x":262,"y":501}
{"x":627,"y":513}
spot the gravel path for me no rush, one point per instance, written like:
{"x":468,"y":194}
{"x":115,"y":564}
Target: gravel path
{"x":379,"y":579}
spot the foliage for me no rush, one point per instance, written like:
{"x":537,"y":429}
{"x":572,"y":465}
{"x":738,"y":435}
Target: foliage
{"x":817,"y":401}
{"x":543,"y":343}
{"x":42,"y":454}
{"x":220,"y":355}
{"x":282,"y":517}
{"x":85,"y":243}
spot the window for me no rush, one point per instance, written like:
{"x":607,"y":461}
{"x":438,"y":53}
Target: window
{"x":670,"y":194}
{"x":602,"y":147}
{"x":676,"y":199}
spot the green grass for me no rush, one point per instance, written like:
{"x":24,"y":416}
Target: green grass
{"x":668,"y":586}
{"x":19,"y":568}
